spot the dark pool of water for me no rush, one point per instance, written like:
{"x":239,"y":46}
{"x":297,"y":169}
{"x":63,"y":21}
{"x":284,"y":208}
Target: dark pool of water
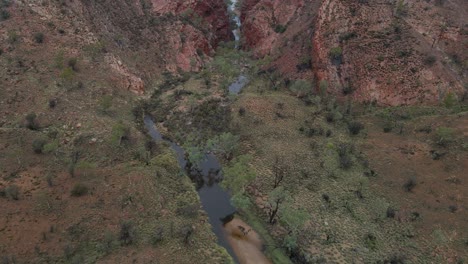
{"x":214,"y":199}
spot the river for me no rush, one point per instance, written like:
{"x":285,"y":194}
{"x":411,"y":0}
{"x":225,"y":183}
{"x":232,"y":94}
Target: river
{"x":216,"y":201}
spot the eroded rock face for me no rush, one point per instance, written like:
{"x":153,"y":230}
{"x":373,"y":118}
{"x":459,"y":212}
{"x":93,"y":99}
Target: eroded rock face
{"x":263,"y":21}
{"x":126,"y":78}
{"x":171,"y":35}
{"x":213,"y":12}
{"x":390,"y":53}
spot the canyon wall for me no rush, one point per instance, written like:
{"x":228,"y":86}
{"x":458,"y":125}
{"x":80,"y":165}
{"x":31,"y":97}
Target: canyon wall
{"x":142,"y":39}
{"x":384,"y":52}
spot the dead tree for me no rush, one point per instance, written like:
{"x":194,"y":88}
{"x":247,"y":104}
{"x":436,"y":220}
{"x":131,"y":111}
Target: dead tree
{"x":279,"y":172}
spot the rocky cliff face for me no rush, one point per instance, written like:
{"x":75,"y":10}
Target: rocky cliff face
{"x":179,"y":34}
{"x":142,"y":39}
{"x":387,"y":52}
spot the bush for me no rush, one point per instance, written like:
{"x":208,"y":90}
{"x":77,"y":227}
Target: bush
{"x":4,"y":15}
{"x":242,"y":111}
{"x":38,"y":145}
{"x":344,"y":154}
{"x":79,"y":190}
{"x":301,"y":88}
{"x":13,"y":37}
{"x":450,"y":100}
{"x":444,"y":136}
{"x":430,"y":60}
{"x":410,"y":184}
{"x":67,"y":74}
{"x":120,"y":132}
{"x":105,"y":103}
{"x":158,"y":236}
{"x":336,"y":53}
{"x":391,"y":212}
{"x":280,"y":28}
{"x":31,"y":121}
{"x":387,"y":127}
{"x":127,"y":233}
{"x":52,"y":103}
{"x":50,"y":147}
{"x":13,"y":191}
{"x":330,"y":117}
{"x":39,"y":37}
{"x":72,"y":63}
{"x":355,"y":127}
{"x":370,"y":241}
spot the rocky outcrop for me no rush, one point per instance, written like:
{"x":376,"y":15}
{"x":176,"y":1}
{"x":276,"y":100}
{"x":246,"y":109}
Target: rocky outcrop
{"x":389,"y":53}
{"x":212,"y":12}
{"x":263,"y":22}
{"x":178,"y":35}
{"x":125,"y":77}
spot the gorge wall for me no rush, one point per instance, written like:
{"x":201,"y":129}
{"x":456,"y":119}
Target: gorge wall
{"x":141,"y":39}
{"x":386,"y":52}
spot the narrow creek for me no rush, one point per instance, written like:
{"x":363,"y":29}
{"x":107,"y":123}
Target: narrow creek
{"x":216,"y":201}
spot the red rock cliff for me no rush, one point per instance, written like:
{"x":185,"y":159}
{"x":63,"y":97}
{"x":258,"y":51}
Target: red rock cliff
{"x":177,"y":34}
{"x":409,"y":52}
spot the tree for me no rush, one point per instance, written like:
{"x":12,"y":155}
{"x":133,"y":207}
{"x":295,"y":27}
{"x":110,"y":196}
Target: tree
{"x":293,"y":218}
{"x":238,"y":174}
{"x":444,"y":136}
{"x":195,"y":154}
{"x":241,"y":201}
{"x":301,"y":88}
{"x":120,"y":132}
{"x":225,"y":144}
{"x":276,"y":199}
{"x":279,"y":172}
{"x":105,"y":103}
{"x":31,"y":121}
{"x":39,"y":37}
{"x":127,"y":233}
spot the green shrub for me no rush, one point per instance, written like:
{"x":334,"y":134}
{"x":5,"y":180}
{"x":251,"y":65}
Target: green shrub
{"x":158,"y":236}
{"x":401,"y":8}
{"x":370,"y":241}
{"x":31,"y":121}
{"x":344,"y":156}
{"x":166,"y":161}
{"x":39,"y":37}
{"x":410,"y":184}
{"x":127,"y":233}
{"x":355,"y":127}
{"x":79,"y":190}
{"x":13,"y":191}
{"x":67,"y":74}
{"x":323,"y":87}
{"x":4,"y":15}
{"x":105,"y":103}
{"x":38,"y":145}
{"x":72,"y":63}
{"x":336,"y":53}
{"x":444,"y":136}
{"x":301,"y":88}
{"x":280,"y":28}
{"x":120,"y":132}
{"x":13,"y":37}
{"x":58,"y":60}
{"x":50,"y":147}
{"x":430,"y":60}
{"x":450,"y":100}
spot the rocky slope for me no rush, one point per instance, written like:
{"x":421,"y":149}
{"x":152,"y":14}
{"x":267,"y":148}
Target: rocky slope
{"x":72,"y":68}
{"x":387,"y":52}
{"x":141,"y":39}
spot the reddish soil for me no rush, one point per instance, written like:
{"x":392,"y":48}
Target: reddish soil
{"x":438,"y":201}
